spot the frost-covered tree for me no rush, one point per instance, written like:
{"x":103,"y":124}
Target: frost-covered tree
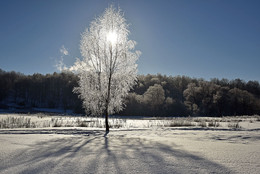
{"x":154,"y":97}
{"x":108,"y":69}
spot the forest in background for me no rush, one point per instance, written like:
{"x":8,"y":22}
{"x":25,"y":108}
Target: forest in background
{"x":153,"y":95}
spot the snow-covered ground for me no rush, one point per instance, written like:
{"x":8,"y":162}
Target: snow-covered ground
{"x":155,"y":149}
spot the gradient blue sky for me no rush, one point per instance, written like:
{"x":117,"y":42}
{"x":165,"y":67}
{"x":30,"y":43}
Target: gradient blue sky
{"x":197,"y":38}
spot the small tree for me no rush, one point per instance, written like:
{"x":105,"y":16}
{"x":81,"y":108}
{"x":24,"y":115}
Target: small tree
{"x":108,"y":70}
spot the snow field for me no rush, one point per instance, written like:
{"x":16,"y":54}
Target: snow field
{"x":138,"y":146}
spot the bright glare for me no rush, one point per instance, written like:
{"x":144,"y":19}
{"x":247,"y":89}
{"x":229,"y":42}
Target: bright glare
{"x":112,"y":37}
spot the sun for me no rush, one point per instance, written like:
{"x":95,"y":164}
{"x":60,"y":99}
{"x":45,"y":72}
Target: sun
{"x":112,"y":37}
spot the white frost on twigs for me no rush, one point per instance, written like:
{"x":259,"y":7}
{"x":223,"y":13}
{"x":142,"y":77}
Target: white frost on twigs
{"x":64,"y":51}
{"x":108,"y":69}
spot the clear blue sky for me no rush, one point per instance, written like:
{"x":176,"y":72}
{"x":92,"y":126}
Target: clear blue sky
{"x":197,"y":38}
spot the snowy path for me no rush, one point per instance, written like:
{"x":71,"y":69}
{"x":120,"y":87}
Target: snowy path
{"x":90,"y":151}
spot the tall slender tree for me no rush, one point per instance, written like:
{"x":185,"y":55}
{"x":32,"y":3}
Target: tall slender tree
{"x":108,"y":69}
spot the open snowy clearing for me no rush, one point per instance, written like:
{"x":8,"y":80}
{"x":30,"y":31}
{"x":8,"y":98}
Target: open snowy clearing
{"x":132,"y":150}
{"x":165,"y":150}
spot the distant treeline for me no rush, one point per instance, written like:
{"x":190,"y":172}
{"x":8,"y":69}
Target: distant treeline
{"x":153,"y":95}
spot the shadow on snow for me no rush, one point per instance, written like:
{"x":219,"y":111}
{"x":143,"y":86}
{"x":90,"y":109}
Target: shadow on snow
{"x":103,"y":153}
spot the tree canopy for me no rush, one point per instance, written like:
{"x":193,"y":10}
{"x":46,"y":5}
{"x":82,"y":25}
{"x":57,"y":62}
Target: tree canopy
{"x":108,"y":69}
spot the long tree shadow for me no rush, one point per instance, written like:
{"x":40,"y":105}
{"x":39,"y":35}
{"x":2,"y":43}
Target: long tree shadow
{"x":106,"y":153}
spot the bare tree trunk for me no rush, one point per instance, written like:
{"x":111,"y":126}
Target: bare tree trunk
{"x":107,"y":102}
{"x":106,"y":121}
{"x":109,"y":87}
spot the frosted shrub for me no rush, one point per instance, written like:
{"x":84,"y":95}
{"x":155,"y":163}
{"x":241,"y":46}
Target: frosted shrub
{"x":16,"y":122}
{"x":234,"y":125}
{"x":202,"y":124}
{"x":214,"y":124}
{"x":181,"y":123}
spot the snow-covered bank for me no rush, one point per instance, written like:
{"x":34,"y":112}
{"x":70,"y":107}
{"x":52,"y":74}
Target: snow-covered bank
{"x":40,"y":120}
{"x":153,"y":150}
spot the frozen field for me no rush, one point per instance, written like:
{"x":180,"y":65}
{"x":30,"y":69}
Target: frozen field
{"x":153,"y":148}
